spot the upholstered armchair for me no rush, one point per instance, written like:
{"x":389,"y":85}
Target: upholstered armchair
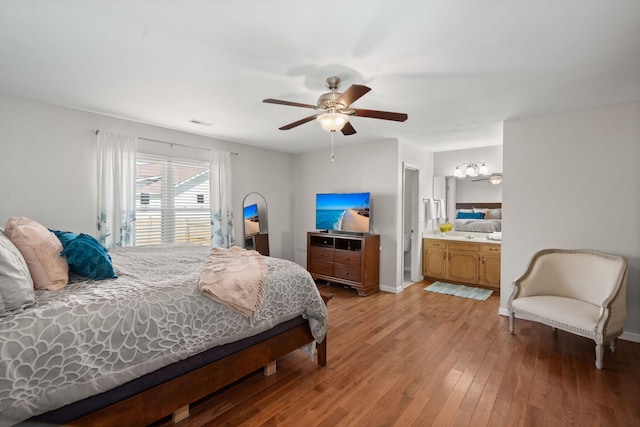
{"x":578,"y":291}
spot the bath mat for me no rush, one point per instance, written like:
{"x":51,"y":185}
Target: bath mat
{"x":459,"y":290}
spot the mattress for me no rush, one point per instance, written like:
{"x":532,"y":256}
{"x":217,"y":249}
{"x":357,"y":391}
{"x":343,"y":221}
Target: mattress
{"x":93,"y":336}
{"x":478,"y":225}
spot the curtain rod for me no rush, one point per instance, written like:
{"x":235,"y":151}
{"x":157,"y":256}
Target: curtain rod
{"x":96,"y":131}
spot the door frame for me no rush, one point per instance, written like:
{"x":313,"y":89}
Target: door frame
{"x":415,"y":267}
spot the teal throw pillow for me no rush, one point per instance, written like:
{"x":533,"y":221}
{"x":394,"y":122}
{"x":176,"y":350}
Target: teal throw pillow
{"x":470,"y":215}
{"x":88,"y":258}
{"x":65,"y":237}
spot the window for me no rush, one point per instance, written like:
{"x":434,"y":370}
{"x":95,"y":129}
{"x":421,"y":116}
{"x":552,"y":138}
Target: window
{"x":172,"y":201}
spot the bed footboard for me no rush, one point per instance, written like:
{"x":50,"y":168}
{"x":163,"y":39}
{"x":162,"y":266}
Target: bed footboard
{"x":174,"y":396}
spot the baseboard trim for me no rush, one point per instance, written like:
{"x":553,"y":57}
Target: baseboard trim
{"x":630,"y":336}
{"x":390,"y":289}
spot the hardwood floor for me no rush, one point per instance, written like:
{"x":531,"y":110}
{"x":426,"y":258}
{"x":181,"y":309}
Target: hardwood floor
{"x":421,"y":358}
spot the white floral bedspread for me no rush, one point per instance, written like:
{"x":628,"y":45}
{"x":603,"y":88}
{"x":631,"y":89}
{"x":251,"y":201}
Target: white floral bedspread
{"x":94,"y":335}
{"x":478,"y":225}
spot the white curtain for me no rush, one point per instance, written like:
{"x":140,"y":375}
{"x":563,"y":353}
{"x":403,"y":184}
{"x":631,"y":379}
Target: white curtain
{"x":116,"y":188}
{"x":222,"y":235}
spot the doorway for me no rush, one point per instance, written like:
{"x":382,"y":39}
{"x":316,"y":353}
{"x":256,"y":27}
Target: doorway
{"x":410,"y":242}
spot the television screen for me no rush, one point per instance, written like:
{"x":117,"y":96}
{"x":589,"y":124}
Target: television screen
{"x":343,"y":212}
{"x":251,"y":220}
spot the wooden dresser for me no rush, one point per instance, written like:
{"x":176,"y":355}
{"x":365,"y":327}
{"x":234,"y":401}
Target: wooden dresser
{"x":258,"y":242}
{"x":350,"y":260}
{"x":460,"y":261}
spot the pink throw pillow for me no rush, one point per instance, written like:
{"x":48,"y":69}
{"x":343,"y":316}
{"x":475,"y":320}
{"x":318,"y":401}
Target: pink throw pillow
{"x":41,"y":250}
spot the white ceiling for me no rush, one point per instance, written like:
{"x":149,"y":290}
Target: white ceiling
{"x":457,"y":68}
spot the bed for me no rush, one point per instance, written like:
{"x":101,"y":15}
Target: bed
{"x":478,"y":217}
{"x":131,"y":350}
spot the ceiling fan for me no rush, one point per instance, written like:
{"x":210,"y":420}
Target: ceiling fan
{"x":334,"y":109}
{"x":494,"y":178}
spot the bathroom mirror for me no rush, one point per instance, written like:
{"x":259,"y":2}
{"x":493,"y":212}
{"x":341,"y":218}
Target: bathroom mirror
{"x":255,"y":223}
{"x":474,"y":193}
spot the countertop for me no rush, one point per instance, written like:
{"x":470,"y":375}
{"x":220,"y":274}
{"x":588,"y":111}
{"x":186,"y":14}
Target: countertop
{"x":460,"y":236}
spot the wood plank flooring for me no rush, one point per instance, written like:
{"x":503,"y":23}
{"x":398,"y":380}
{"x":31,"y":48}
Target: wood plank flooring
{"x":425,"y":359}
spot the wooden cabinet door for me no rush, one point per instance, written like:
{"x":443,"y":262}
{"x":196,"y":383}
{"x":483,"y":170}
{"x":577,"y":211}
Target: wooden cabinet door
{"x":463,"y":266}
{"x":435,"y":262}
{"x":490,"y":271}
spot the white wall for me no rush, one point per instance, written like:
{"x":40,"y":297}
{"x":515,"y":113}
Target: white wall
{"x":375,"y":167}
{"x":48,"y":168}
{"x":368,"y":167}
{"x":572,"y":181}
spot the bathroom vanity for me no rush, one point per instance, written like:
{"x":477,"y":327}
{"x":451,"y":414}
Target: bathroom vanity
{"x":462,"y":259}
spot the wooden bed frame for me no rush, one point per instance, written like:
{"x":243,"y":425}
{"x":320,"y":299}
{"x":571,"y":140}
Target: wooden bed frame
{"x":490,"y":205}
{"x":174,"y":396}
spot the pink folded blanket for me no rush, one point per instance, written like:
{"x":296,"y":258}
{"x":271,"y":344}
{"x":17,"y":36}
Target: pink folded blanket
{"x":235,"y":277}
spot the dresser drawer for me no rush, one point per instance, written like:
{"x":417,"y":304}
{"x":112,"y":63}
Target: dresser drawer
{"x":490,"y":249}
{"x":321,"y":254}
{"x":431,"y":243}
{"x":347,"y":257}
{"x":346,"y":272}
{"x":321,"y":267}
{"x":464,"y":246}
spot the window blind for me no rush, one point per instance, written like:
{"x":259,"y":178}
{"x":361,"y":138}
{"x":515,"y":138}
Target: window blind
{"x":173,"y":203}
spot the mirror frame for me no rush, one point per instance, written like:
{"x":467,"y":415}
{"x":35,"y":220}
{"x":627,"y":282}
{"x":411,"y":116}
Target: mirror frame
{"x":258,"y":199}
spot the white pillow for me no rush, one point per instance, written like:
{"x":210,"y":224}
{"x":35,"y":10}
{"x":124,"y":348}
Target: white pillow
{"x":493,"y":214}
{"x":41,"y":250}
{"x":16,"y":286}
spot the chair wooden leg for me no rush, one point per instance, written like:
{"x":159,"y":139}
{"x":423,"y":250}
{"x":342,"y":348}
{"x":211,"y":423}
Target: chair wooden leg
{"x":613,"y":345}
{"x":599,"y":355}
{"x":512,"y":322}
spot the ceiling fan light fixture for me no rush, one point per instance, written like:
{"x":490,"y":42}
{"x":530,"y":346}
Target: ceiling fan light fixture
{"x":332,"y":122}
{"x":495,"y":179}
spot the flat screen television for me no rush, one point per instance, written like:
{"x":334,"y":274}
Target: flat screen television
{"x":346,"y":212}
{"x":251,"y":220}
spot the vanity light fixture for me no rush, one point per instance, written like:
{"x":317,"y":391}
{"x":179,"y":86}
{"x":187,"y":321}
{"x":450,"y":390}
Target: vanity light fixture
{"x":472,"y":169}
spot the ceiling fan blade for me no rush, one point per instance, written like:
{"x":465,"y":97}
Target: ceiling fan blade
{"x":292,"y":104}
{"x":352,"y":94}
{"x":348,"y":129}
{"x":385,"y":115}
{"x":298,"y":123}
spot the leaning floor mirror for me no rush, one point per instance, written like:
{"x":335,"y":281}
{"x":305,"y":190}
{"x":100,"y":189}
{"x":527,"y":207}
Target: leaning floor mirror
{"x":255,"y":223}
